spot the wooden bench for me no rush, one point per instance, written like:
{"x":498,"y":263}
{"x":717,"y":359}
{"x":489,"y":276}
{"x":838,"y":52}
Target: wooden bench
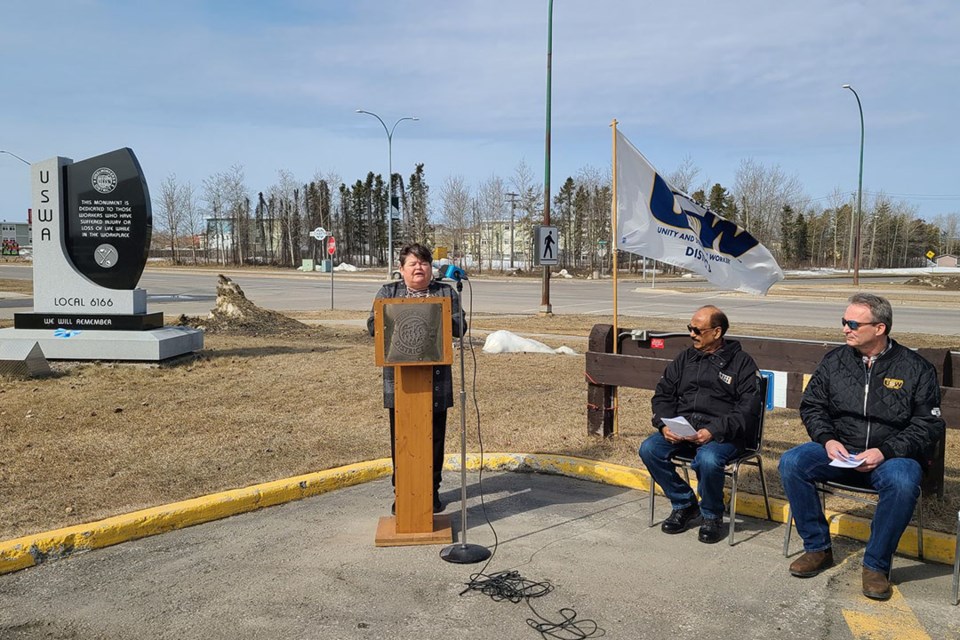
{"x":642,"y":357}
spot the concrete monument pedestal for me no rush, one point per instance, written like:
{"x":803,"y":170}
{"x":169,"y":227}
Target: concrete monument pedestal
{"x":71,"y":344}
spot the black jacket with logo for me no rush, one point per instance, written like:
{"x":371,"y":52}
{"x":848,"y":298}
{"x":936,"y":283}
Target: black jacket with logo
{"x":893,"y":406}
{"x":714,"y":391}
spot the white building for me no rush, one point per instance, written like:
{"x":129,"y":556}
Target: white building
{"x":18,"y":232}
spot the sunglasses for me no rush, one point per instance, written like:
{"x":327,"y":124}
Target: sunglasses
{"x":696,"y":330}
{"x":853,"y":324}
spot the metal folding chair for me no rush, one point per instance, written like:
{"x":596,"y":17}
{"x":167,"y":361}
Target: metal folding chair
{"x":751,"y":457}
{"x":853,"y":492}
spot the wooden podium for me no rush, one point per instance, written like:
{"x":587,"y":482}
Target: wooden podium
{"x":412,"y":335}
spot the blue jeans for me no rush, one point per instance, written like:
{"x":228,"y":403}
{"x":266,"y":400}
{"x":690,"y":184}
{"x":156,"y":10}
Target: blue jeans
{"x":897,"y":480}
{"x":709,"y":461}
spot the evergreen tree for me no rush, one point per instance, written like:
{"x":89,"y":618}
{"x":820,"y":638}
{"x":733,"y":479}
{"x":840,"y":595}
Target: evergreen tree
{"x":786,"y":235}
{"x":419,"y":229}
{"x":721,"y":202}
{"x":801,"y":241}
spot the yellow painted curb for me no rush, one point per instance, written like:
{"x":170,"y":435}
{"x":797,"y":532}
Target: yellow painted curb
{"x":29,"y":551}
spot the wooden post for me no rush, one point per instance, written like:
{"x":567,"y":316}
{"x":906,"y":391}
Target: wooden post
{"x":413,"y":338}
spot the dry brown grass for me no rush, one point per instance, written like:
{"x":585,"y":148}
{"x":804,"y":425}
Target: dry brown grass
{"x":101,"y":439}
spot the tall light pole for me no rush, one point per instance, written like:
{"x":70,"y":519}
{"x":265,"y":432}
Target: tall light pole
{"x":545,"y":307}
{"x":513,"y":209}
{"x":389,"y":133}
{"x":856,"y":244}
{"x":11,"y":153}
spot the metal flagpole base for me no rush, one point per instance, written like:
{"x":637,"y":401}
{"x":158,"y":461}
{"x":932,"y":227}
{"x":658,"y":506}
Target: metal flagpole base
{"x":465,"y":553}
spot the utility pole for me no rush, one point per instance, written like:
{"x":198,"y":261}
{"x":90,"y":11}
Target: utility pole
{"x":513,"y":210}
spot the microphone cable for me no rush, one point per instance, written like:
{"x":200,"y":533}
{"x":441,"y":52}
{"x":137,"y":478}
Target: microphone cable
{"x":510,"y":585}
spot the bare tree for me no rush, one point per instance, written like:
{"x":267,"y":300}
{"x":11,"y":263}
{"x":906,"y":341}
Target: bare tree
{"x":213,"y":198}
{"x":192,"y":220}
{"x":949,"y":224}
{"x":531,"y":201}
{"x":228,"y":209}
{"x":237,"y":203}
{"x":171,"y":213}
{"x":455,"y":200}
{"x":761,"y":193}
{"x":493,"y":212}
{"x":684,"y":176}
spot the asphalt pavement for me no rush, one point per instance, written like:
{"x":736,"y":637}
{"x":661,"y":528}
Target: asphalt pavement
{"x":309,"y":569}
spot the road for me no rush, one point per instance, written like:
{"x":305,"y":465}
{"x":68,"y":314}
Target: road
{"x":816,"y":302}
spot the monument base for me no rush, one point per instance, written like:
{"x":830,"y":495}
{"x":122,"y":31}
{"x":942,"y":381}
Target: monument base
{"x":89,"y":322}
{"x":77,"y":344}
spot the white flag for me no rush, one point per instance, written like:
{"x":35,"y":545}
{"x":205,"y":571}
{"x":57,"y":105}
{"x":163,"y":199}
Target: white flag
{"x":657,"y":221}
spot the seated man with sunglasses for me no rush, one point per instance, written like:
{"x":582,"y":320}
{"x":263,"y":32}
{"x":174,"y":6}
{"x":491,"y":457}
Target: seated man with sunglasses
{"x":714,"y":385}
{"x":871,"y":403}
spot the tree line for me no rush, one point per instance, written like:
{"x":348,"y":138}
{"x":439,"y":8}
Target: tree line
{"x":490,"y":226}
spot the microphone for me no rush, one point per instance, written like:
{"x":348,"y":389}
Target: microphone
{"x":453,"y":272}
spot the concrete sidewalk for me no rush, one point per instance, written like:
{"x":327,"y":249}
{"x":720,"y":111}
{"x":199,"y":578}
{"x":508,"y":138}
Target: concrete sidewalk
{"x":309,"y":569}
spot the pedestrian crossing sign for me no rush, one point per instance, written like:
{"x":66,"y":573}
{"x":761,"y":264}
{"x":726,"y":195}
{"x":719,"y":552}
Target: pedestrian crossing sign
{"x":547,"y":245}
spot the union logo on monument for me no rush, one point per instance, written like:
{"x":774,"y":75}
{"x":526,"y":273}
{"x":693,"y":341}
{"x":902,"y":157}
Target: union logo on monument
{"x":104,"y":180}
{"x":109,"y":221}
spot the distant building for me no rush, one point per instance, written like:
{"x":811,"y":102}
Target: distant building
{"x":15,"y":236}
{"x":946,"y":260}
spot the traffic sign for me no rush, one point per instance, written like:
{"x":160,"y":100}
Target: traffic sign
{"x":332,"y":245}
{"x":930,"y":255}
{"x":547,"y":247}
{"x":319,"y":233}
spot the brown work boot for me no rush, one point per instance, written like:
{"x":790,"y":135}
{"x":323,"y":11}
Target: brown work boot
{"x":876,"y":585}
{"x":811,"y":563}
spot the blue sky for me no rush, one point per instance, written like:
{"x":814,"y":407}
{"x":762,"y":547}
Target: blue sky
{"x":194,"y":87}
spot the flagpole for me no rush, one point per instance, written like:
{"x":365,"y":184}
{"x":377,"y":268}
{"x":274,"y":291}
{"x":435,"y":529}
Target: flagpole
{"x":613,"y":247}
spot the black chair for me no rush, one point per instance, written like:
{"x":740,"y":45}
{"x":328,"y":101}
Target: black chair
{"x":858,"y":494}
{"x":751,"y":457}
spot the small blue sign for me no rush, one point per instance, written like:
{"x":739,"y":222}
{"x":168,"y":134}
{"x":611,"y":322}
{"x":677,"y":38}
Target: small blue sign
{"x":770,"y":381}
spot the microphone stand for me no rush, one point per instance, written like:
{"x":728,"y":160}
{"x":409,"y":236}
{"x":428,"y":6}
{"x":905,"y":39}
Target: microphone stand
{"x":463,"y":553}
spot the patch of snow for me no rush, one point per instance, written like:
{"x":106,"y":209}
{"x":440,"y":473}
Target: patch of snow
{"x":506,"y":342}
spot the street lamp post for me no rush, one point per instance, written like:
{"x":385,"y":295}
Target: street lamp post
{"x":11,"y":153}
{"x":389,"y":133}
{"x":856,"y":245}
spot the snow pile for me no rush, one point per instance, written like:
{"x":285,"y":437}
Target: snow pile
{"x":506,"y":342}
{"x":344,"y":266}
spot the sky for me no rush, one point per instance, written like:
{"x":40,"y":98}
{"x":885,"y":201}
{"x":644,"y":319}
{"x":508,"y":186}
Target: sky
{"x":195,"y":87}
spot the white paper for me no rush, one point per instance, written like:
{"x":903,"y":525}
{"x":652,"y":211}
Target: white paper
{"x":680,"y":427}
{"x":849,"y":462}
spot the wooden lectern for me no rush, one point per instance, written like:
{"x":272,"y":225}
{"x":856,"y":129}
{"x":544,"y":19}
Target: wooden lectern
{"x":412,"y":335}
